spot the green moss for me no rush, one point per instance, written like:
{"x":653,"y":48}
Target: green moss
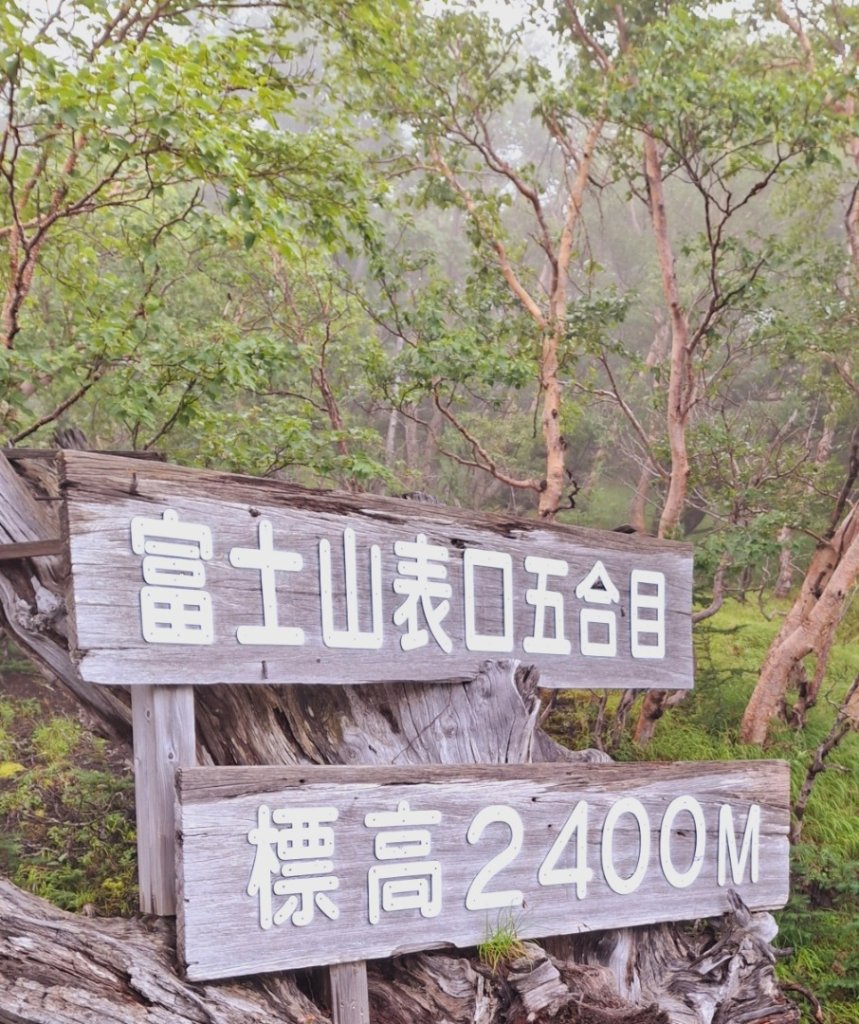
{"x":56,"y":740}
{"x":67,"y":814}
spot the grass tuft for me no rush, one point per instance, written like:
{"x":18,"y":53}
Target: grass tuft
{"x":502,"y":945}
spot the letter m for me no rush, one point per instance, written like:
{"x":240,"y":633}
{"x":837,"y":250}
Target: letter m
{"x":749,"y":851}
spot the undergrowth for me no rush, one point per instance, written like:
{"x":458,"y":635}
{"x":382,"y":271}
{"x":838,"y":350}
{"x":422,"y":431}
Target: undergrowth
{"x":820,"y":925}
{"x":66,"y":813}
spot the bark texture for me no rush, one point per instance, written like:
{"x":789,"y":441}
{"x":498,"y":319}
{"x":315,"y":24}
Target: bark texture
{"x":64,"y":969}
{"x":809,"y":626}
{"x":59,"y":968}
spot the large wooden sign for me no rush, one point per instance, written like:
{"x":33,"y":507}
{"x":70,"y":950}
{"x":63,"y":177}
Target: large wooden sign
{"x":185,"y":577}
{"x":293,"y":867}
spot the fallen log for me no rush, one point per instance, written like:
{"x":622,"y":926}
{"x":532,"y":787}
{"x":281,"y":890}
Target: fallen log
{"x":60,"y":968}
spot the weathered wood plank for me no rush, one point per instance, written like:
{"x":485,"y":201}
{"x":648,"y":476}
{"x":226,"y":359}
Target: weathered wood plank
{"x":50,"y":454}
{"x":187,"y":577}
{"x":429,"y":856}
{"x":62,"y":968}
{"x":164,"y":740}
{"x":350,"y":1000}
{"x":23,"y":520}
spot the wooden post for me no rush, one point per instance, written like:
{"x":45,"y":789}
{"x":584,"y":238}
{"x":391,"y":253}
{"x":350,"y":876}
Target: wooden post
{"x":164,"y":739}
{"x":350,"y":1000}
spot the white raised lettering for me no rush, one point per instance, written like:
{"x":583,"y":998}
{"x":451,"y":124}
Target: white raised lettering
{"x":681,"y":804}
{"x":544,"y":600}
{"x":579,"y":874}
{"x":352,"y":636}
{"x":475,"y":641}
{"x":749,"y":850}
{"x":477,"y":898}
{"x":628,"y":805}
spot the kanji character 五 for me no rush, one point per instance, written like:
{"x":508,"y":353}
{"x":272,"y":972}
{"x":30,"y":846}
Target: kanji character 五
{"x":546,"y":602}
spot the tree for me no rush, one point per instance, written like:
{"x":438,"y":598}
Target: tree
{"x":725,"y":133}
{"x":144,"y":154}
{"x":443,"y":108}
{"x":822,"y":48}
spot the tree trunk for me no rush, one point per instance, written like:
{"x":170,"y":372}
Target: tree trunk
{"x":680,"y":381}
{"x":638,"y":506}
{"x":64,"y":969}
{"x":552,"y":494}
{"x":808,"y":627}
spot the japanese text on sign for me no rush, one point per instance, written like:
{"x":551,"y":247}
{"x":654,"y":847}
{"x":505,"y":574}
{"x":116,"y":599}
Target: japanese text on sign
{"x":222,"y":579}
{"x":298,"y":859}
{"x":328,"y":865}
{"x":175,"y":608}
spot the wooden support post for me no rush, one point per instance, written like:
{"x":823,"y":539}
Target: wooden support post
{"x":350,"y":1000}
{"x":164,"y":740}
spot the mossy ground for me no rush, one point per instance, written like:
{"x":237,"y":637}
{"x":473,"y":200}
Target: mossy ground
{"x":821,"y":923}
{"x":66,"y":802}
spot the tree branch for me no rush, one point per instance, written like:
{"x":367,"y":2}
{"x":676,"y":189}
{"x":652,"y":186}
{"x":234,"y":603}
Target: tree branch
{"x":485,"y":460}
{"x":506,"y":267}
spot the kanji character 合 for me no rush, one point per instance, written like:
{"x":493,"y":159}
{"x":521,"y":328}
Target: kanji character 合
{"x":597,"y":588}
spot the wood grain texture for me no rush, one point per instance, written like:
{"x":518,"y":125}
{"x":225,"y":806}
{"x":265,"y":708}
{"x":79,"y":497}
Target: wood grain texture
{"x":219,"y":810}
{"x":350,"y":1000}
{"x":24,"y":520}
{"x":32,"y":604}
{"x":163,"y":720}
{"x":32,"y":549}
{"x":62,"y":968}
{"x":104,"y":494}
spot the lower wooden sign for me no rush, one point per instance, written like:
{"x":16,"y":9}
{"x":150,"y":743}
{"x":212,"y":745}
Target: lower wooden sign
{"x":282,"y":868}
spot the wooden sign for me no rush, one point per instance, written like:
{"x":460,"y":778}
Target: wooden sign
{"x":283,"y":868}
{"x":185,"y":577}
